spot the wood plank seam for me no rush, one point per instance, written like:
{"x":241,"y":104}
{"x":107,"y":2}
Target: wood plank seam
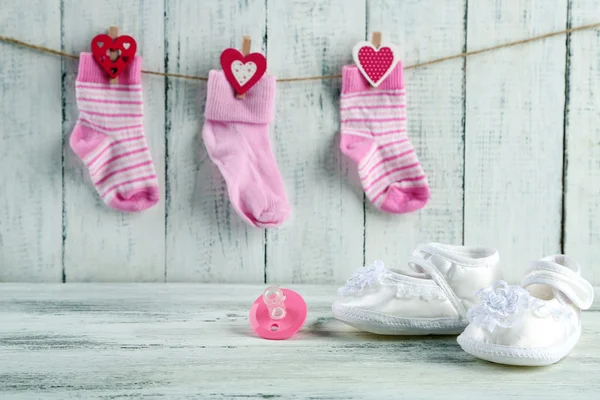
{"x":364,"y":195}
{"x":565,"y":159}
{"x":64,"y":148}
{"x":464,"y":112}
{"x":265,"y":46}
{"x":167,"y":120}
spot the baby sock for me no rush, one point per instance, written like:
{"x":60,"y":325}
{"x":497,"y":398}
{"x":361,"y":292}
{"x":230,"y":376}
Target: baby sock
{"x":109,"y":136}
{"x":236,"y":136}
{"x":374,"y":136}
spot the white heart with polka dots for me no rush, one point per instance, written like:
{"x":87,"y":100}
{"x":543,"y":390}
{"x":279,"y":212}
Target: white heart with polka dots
{"x":243,"y":72}
{"x":375,"y":64}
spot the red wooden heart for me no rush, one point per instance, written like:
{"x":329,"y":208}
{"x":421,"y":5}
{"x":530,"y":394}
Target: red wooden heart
{"x":376,"y":62}
{"x":102,"y":45}
{"x":242,"y":72}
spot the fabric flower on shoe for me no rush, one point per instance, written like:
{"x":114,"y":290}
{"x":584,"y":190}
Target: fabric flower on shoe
{"x":501,"y":305}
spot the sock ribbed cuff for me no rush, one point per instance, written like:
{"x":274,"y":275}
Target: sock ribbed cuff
{"x":91,"y":71}
{"x":354,"y":81}
{"x":257,"y":107}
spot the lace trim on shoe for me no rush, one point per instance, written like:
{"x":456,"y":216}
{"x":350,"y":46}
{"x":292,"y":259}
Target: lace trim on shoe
{"x":408,"y":290}
{"x":376,"y":272}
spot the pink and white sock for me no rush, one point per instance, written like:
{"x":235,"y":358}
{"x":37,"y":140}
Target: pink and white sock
{"x":109,"y":136}
{"x":374,"y":136}
{"x":236,"y":136}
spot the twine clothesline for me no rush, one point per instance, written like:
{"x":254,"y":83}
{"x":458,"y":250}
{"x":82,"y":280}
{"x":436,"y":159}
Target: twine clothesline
{"x":48,"y":50}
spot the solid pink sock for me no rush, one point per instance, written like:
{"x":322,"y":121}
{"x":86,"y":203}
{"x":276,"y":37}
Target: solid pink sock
{"x":374,"y":136}
{"x":236,"y":136}
{"x":109,"y":136}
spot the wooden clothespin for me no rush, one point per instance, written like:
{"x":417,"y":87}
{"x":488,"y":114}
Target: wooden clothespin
{"x":113,"y":32}
{"x":376,"y":39}
{"x":246,"y":46}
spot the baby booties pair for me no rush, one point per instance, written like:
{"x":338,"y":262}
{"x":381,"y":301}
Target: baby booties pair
{"x":458,"y":290}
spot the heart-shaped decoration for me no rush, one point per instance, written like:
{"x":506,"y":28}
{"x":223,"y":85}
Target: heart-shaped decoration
{"x":375,"y":64}
{"x":241,"y":71}
{"x":103,"y":44}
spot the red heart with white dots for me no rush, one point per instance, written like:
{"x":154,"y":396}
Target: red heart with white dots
{"x":242,"y":71}
{"x":375,"y":64}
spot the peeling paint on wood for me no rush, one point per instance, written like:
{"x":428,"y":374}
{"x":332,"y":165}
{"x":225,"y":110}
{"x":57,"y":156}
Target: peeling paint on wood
{"x":182,"y":341}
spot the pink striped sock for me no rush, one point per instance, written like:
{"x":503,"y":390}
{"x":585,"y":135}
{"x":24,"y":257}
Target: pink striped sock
{"x":374,"y":136}
{"x":109,"y":136}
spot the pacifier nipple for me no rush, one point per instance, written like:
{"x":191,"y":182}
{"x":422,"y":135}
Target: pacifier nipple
{"x":275,"y":301}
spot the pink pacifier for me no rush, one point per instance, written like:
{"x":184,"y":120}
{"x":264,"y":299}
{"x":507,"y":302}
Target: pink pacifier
{"x":278,"y":313}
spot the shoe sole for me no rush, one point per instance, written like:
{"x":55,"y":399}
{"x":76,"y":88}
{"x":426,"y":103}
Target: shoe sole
{"x":383,"y":324}
{"x":523,"y":356}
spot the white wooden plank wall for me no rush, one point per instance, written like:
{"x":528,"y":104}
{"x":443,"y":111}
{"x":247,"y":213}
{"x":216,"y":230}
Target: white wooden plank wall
{"x":206,"y":241}
{"x":425,"y":31}
{"x":582,"y":178}
{"x":30,"y":145}
{"x":324,"y":239}
{"x":514,"y":131}
{"x":492,"y":132}
{"x":100,"y":244}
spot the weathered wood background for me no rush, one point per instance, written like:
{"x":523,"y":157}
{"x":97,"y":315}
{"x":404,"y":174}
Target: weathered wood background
{"x":510,"y":139}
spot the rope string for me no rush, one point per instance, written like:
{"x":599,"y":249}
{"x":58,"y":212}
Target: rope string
{"x":47,"y":50}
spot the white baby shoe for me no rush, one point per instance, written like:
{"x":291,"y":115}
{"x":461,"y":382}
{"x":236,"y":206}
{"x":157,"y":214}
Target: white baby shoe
{"x":537,"y":323}
{"x":430,"y":299}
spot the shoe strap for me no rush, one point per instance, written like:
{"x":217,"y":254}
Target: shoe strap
{"x":430,"y":269}
{"x":562,"y":274}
